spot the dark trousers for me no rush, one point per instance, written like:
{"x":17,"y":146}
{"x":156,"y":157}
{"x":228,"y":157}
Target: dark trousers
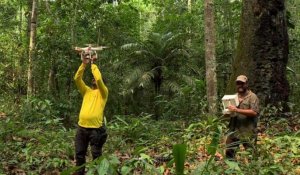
{"x":96,"y":137}
{"x":233,"y":142}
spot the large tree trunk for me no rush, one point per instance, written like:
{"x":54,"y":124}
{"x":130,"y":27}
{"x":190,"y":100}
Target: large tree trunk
{"x":262,"y":51}
{"x":210,"y":58}
{"x":32,"y":41}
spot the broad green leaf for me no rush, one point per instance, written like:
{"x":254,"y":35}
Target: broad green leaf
{"x":233,"y":165}
{"x":126,"y":170}
{"x":103,"y":167}
{"x":212,"y":148}
{"x":179,"y":152}
{"x":145,"y":156}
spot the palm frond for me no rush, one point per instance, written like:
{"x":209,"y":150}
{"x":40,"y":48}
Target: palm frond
{"x":167,"y":36}
{"x":155,"y":36}
{"x":199,"y":71}
{"x":145,"y":79}
{"x":139,"y":77}
{"x":145,"y":52}
{"x":177,"y":53}
{"x":173,"y":41}
{"x":172,"y":86}
{"x":183,"y":52}
{"x":189,"y":80}
{"x":172,"y":38}
{"x":130,"y":46}
{"x":134,"y":76}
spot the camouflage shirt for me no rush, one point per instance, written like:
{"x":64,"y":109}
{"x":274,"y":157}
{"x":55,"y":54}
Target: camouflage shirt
{"x":243,"y":124}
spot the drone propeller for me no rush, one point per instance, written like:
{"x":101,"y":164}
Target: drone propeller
{"x":78,"y":49}
{"x":90,"y":45}
{"x":99,"y":48}
{"x":85,"y":49}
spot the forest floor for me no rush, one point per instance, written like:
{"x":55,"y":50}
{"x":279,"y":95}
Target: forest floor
{"x":141,"y":145}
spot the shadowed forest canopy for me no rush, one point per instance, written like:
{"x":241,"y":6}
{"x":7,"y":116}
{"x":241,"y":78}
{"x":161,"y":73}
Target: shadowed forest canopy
{"x":167,"y":66}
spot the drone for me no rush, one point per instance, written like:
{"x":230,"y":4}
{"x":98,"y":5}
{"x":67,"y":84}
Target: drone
{"x":89,"y":50}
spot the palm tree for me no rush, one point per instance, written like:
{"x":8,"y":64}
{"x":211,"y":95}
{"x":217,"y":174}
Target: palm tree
{"x":157,"y":62}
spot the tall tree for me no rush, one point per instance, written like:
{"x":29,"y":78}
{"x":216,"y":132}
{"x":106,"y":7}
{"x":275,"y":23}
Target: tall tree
{"x":262,"y":51}
{"x":32,"y":41}
{"x":210,"y":58}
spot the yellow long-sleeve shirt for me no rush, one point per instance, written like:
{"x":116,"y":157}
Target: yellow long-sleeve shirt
{"x":94,"y":100}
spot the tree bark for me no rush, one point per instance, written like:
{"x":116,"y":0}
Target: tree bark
{"x":262,"y":51}
{"x":189,"y":5}
{"x":22,"y":56}
{"x":32,"y":41}
{"x":157,"y":82}
{"x":53,"y":86}
{"x":189,"y":31}
{"x":210,"y":58}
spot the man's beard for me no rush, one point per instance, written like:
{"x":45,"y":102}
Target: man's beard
{"x":241,"y":90}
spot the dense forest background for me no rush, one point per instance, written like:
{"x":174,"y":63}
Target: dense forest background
{"x":155,"y":70}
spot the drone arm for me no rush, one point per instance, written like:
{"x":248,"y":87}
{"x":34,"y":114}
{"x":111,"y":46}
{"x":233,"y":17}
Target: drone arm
{"x":78,"y":79}
{"x":99,"y":81}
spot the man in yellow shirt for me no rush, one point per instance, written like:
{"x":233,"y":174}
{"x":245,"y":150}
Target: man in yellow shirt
{"x":91,"y":129}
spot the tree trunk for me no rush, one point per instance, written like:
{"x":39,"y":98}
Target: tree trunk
{"x":22,"y":57}
{"x":53,"y":86}
{"x":189,"y":31}
{"x":189,"y":5}
{"x":28,"y":15}
{"x":262,"y":51}
{"x":32,"y":41}
{"x":210,"y":58}
{"x":157,"y":82}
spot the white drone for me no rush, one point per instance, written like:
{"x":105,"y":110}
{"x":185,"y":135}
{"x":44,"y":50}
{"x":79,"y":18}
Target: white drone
{"x":90,"y":50}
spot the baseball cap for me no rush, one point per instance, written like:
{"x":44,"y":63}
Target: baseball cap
{"x":242,"y":78}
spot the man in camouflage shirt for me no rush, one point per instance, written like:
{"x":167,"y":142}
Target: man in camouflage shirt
{"x":244,"y":117}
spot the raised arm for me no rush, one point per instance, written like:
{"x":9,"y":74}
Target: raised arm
{"x":78,"y":79}
{"x":100,"y":84}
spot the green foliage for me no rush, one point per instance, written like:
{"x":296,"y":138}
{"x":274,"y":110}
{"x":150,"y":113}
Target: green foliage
{"x":105,"y":165}
{"x":192,"y":96}
{"x":179,"y":153}
{"x":294,"y":51}
{"x":38,"y":148}
{"x":33,"y":148}
{"x":153,"y":58}
{"x":142,"y":163}
{"x":131,"y":129}
{"x":153,"y":76}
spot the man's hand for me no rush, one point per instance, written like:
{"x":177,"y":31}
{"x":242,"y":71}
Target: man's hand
{"x":94,"y":58}
{"x":232,"y":108}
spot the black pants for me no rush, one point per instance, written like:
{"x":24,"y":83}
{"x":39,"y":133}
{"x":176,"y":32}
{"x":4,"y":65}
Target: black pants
{"x":237,"y":136}
{"x":233,"y":142}
{"x":96,"y":137}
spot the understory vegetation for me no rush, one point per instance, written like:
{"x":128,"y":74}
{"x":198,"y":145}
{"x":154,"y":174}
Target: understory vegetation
{"x":142,"y":145}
